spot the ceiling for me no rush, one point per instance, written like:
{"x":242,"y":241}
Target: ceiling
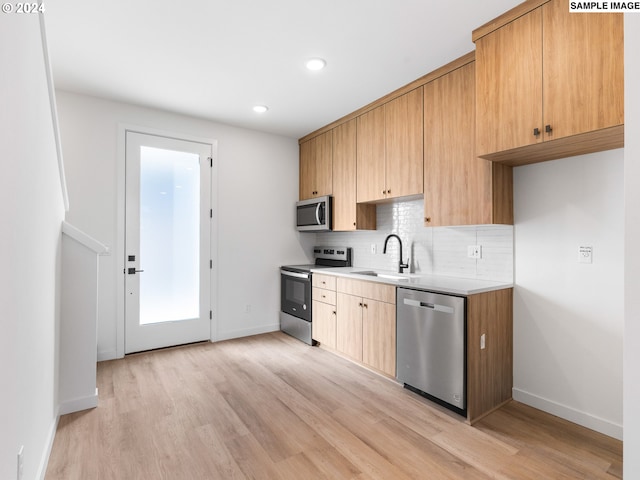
{"x":216,"y":59}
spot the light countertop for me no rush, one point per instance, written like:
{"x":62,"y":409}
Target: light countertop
{"x":432,"y":283}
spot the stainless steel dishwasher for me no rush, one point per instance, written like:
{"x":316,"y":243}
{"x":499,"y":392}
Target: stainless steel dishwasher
{"x":431,"y":346}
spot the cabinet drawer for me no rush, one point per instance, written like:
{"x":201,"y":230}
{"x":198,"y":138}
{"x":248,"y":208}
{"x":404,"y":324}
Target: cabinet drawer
{"x":375,"y":291}
{"x":324,"y":296}
{"x":327,"y":282}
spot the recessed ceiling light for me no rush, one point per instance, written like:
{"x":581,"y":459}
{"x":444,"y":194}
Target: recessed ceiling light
{"x":260,"y":108}
{"x":316,"y":64}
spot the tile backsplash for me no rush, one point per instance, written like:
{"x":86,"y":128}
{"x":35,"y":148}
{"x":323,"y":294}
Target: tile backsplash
{"x":432,"y":250}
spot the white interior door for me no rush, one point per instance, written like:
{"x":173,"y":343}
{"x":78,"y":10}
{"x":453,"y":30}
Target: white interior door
{"x":167,"y":242}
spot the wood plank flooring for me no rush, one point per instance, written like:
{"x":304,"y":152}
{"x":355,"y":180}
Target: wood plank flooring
{"x":271,"y":407}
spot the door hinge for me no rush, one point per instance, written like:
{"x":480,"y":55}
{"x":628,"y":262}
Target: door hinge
{"x":211,"y":213}
{"x":211,"y":162}
{"x":211,"y":264}
{"x":210,"y":315}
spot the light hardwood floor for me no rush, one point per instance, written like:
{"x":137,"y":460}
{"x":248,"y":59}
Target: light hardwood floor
{"x":270,"y":407}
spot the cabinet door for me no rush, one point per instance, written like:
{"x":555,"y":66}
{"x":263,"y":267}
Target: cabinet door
{"x":457,"y":183}
{"x":404,"y":145}
{"x":509,"y":85}
{"x":349,"y":326}
{"x":323,"y":164}
{"x":583,"y":82}
{"x":379,"y":336}
{"x":316,"y":169}
{"x":323,"y":327}
{"x":370,"y":155}
{"x":307,"y":170}
{"x":347,"y":214}
{"x":344,"y":174}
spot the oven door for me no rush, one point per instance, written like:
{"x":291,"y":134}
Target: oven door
{"x":295,"y":294}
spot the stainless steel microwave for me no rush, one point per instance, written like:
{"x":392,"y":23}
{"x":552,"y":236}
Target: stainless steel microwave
{"x":314,"y":215}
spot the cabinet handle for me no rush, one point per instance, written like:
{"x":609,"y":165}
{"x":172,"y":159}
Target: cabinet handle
{"x":383,"y":192}
{"x":536,"y":132}
{"x":427,"y":219}
{"x":360,"y":304}
{"x":365,"y":305}
{"x":333,"y":313}
{"x":547,"y":128}
{"x":388,"y":191}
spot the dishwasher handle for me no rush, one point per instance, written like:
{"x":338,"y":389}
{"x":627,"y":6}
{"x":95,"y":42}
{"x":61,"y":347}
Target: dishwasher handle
{"x":432,"y":306}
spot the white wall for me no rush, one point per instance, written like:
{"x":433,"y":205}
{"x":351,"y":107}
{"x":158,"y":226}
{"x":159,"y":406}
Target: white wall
{"x":32,"y":211}
{"x":632,"y":253}
{"x":568,"y":316}
{"x":257,"y":181}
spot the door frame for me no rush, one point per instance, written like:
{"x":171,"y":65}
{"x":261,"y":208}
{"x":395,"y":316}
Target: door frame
{"x":123,"y":128}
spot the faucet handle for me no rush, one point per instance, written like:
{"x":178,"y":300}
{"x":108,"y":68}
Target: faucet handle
{"x":402,"y":266}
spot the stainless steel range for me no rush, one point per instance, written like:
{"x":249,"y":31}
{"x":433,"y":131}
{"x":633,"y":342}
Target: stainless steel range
{"x":295,"y":293}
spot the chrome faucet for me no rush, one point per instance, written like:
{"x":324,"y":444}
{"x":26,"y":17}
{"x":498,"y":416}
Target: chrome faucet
{"x":401,"y":266}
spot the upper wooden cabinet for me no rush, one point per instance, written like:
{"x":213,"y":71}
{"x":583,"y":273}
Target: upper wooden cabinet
{"x":404,"y":144}
{"x":371,"y":182}
{"x":347,"y":214}
{"x":390,"y":149}
{"x":549,"y":83}
{"x":459,"y":188}
{"x":583,"y":70}
{"x":316,"y":166}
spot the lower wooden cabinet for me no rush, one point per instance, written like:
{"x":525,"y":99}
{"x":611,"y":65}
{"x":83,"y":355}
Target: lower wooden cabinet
{"x":357,"y":319}
{"x":366,"y":324}
{"x":379,"y":336}
{"x":489,"y":362}
{"x":349,"y":326}
{"x":323,"y":327}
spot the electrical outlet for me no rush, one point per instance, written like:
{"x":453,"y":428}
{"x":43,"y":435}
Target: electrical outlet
{"x":474,"y":251}
{"x":20,"y":463}
{"x":373,"y":249}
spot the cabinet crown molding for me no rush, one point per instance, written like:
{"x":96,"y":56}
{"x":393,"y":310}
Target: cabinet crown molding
{"x":507,"y":17}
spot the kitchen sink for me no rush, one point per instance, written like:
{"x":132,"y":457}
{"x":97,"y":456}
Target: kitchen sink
{"x":388,"y":276}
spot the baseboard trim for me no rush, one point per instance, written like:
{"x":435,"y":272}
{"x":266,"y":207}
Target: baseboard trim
{"x":44,"y":460}
{"x":568,"y":413}
{"x":107,"y":355}
{"x":246,"y":332}
{"x":78,"y":404}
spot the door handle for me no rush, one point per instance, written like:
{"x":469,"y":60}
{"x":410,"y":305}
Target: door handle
{"x":133,"y":271}
{"x":432,"y":306}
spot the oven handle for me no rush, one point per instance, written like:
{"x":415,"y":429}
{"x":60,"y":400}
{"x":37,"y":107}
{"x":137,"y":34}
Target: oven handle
{"x":295,"y":274}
